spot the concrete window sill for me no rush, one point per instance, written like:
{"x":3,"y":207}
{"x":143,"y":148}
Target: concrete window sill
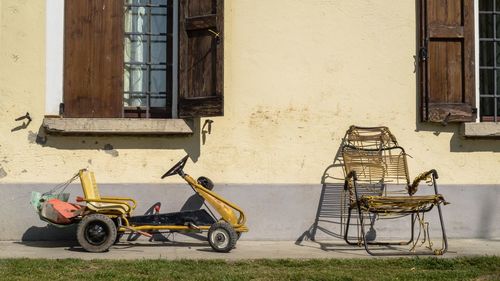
{"x":116,"y":126}
{"x":481,"y":130}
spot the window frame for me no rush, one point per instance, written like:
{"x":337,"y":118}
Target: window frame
{"x":55,"y":54}
{"x":170,"y":68}
{"x":477,"y":22}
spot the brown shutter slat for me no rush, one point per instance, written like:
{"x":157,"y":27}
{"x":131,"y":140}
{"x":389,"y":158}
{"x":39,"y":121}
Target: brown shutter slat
{"x":447,"y":80}
{"x":201,"y":61}
{"x":93,"y":58}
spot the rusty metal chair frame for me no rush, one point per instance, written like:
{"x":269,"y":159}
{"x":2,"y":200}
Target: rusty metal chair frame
{"x":374,"y":161}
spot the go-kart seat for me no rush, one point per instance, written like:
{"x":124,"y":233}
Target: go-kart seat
{"x":103,"y":205}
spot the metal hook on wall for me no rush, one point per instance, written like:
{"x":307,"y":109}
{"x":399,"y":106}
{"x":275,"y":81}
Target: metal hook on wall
{"x":208,"y":126}
{"x":25,"y":124}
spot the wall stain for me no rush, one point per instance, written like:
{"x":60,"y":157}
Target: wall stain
{"x":3,"y":173}
{"x":32,"y":137}
{"x":263,"y":115}
{"x":13,"y":10}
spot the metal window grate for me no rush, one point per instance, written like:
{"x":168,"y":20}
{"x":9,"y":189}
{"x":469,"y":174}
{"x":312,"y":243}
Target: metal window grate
{"x":148,"y":58}
{"x":489,"y":60}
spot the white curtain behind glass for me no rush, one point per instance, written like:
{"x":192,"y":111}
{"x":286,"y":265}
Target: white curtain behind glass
{"x":136,"y":78}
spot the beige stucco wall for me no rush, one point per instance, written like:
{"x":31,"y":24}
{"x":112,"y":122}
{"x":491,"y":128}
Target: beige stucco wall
{"x":297,"y":74}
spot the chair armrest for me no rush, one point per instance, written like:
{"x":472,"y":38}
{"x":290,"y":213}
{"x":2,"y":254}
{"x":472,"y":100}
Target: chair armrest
{"x":122,"y":199}
{"x":412,"y":188}
{"x":350,"y":175}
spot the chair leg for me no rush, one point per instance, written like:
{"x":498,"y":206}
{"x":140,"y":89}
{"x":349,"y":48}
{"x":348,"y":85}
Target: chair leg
{"x":444,"y":250}
{"x":412,"y":222}
{"x":445,"y":238}
{"x":346,"y":234}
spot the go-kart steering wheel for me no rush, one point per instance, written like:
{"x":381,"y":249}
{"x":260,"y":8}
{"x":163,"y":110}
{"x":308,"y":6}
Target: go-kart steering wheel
{"x":176,"y":168}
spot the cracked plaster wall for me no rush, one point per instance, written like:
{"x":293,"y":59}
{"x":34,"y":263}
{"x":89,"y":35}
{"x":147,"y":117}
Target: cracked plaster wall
{"x":297,"y":74}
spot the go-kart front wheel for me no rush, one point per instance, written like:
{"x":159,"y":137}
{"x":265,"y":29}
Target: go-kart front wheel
{"x":222,"y":237}
{"x":96,"y":233}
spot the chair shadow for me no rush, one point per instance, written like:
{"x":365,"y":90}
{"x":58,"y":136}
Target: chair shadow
{"x":331,"y":211}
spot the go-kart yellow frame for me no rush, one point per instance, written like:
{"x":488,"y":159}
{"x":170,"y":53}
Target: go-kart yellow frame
{"x":121,"y":207}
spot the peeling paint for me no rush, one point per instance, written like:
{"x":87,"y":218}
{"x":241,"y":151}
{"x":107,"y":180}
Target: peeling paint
{"x":32,"y":137}
{"x":266,"y":115}
{"x":13,"y":10}
{"x":109,"y":149}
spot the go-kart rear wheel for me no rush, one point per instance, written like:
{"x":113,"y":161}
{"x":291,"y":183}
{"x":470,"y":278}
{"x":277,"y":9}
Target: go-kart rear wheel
{"x":96,"y":233}
{"x":222,"y":237}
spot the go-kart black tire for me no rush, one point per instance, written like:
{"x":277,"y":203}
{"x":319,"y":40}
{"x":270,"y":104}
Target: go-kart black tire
{"x":96,"y":233}
{"x":222,"y":237}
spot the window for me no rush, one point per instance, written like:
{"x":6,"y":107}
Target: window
{"x":489,"y":60}
{"x":148,"y":51}
{"x":143,"y":58}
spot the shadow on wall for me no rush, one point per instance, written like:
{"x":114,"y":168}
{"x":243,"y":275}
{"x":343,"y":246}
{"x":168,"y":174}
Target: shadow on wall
{"x":457,"y":142}
{"x":191,"y":144}
{"x":331,"y":213}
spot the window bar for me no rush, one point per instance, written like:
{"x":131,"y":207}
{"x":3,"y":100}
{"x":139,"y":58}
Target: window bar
{"x":145,"y":5}
{"x":150,"y":27}
{"x":146,"y":33}
{"x":147,"y":65}
{"x":495,"y":62}
{"x":169,"y":85}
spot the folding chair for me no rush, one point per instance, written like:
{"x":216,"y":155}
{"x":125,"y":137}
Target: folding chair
{"x":378,"y":185}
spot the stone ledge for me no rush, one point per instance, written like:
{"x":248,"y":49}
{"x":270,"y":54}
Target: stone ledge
{"x":116,"y":126}
{"x":481,"y":130}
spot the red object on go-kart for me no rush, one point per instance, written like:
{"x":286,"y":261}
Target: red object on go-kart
{"x":59,"y":212}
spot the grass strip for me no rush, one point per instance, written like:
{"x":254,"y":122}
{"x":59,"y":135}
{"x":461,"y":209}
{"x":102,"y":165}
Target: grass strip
{"x":463,"y":268}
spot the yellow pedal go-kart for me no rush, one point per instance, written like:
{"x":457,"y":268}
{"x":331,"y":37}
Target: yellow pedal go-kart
{"x":103,"y":219}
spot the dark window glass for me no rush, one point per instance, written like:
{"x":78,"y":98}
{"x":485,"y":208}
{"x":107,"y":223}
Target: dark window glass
{"x":486,"y":5}
{"x":486,"y":53}
{"x":489,"y":60}
{"x":485,"y":26}
{"x":486,"y":77}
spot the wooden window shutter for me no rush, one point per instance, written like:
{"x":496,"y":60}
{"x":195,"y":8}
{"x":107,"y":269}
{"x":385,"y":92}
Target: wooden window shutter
{"x":201,"y":58}
{"x":93,"y":58}
{"x":446,"y":58}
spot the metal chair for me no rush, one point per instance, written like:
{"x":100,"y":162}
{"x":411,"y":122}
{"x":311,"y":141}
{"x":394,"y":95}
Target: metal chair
{"x":378,"y":185}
